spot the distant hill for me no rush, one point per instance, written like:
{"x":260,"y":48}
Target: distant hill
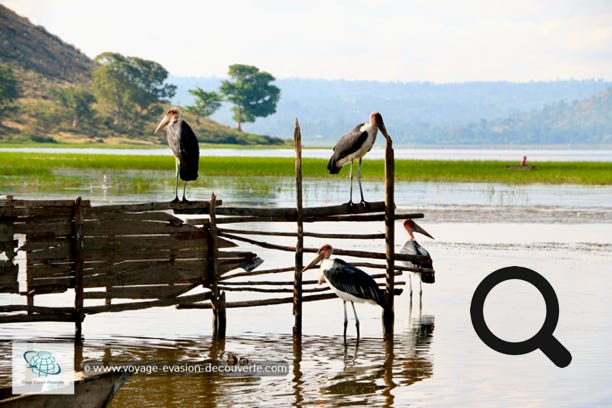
{"x":588,"y":121}
{"x":42,"y":62}
{"x":415,"y":112}
{"x":31,"y":48}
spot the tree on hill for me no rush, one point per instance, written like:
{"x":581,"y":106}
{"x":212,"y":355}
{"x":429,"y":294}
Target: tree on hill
{"x":205,"y":104}
{"x":9,"y":89}
{"x":132,"y":88}
{"x":76,"y":102}
{"x":251,"y":92}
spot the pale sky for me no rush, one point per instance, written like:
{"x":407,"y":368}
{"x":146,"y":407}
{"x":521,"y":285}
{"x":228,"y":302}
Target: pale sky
{"x":382,"y":40}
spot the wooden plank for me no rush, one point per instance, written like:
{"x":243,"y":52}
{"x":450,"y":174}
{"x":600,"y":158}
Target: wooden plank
{"x":113,"y":216}
{"x":201,"y":206}
{"x":41,"y":203}
{"x":104,"y":228}
{"x":141,"y":292}
{"x":25,"y":213}
{"x":145,"y":273}
{"x":57,"y":228}
{"x":119,"y":307}
{"x":36,"y":318}
{"x":33,"y":245}
{"x":268,"y":302}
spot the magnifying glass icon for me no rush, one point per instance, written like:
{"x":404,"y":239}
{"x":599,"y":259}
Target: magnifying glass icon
{"x":543,"y":339}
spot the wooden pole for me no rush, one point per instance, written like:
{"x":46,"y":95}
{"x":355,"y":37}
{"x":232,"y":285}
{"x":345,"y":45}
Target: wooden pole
{"x":299,"y":246}
{"x":77,"y":257}
{"x":389,"y":314}
{"x":217,"y":300}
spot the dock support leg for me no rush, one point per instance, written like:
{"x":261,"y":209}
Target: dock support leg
{"x":217,"y":299}
{"x":299,"y":246}
{"x":389,"y":314}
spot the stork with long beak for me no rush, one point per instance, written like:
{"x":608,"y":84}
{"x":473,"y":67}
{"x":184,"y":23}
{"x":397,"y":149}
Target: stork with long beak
{"x":354,"y":145}
{"x":351,"y":284}
{"x":184,"y":146}
{"x":412,"y":247}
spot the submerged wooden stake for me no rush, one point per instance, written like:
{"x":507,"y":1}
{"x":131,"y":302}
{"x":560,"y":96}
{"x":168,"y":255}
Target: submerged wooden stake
{"x":77,"y":258}
{"x":217,"y":299}
{"x":389,"y":314}
{"x":299,"y":246}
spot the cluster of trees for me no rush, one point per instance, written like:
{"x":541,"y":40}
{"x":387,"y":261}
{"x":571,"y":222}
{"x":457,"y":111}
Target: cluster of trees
{"x":127,"y":94}
{"x":249,"y":90}
{"x":9,"y":90}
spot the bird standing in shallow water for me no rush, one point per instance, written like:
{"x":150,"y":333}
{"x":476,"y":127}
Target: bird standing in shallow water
{"x":354,"y":145}
{"x":184,"y":145}
{"x":348,"y":282}
{"x":412,"y":247}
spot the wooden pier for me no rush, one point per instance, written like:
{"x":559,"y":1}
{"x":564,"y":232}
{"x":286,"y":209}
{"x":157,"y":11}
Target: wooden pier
{"x":138,"y":256}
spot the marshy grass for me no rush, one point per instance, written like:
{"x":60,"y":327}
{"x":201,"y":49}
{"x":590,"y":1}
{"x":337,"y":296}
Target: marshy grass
{"x":139,"y":173}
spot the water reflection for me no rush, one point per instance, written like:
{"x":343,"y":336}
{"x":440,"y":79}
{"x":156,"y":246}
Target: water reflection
{"x":322,"y":369}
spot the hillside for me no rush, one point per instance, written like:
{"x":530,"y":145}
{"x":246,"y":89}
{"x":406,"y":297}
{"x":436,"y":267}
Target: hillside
{"x":585,"y":121}
{"x":415,"y":112}
{"x":43,"y":64}
{"x":31,"y":48}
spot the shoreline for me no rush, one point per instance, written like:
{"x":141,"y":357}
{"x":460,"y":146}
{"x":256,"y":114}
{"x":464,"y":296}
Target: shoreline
{"x":44,"y":168}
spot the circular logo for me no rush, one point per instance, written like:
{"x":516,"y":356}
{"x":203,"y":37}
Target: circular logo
{"x":42,"y":363}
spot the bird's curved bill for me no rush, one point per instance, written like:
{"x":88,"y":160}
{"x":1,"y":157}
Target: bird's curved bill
{"x":417,"y":228}
{"x":164,"y":122}
{"x":313,"y":263}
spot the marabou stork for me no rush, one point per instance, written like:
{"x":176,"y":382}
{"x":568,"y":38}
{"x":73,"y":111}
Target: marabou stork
{"x":412,"y":247}
{"x":184,"y":145}
{"x":348,"y":282}
{"x":354,"y":145}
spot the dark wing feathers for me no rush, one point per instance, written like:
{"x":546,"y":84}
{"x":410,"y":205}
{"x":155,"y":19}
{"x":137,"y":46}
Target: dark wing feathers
{"x":412,"y":247}
{"x":347,"y":278}
{"x":189,"y":153}
{"x":349,"y":143}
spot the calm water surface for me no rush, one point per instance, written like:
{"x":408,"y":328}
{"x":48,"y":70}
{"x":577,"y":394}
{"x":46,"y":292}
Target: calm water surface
{"x":435,"y":358}
{"x":511,"y":153}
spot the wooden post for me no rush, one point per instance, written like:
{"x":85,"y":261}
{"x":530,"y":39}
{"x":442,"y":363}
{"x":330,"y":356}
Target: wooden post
{"x":389,"y":315}
{"x":77,"y":258}
{"x":299,"y":246}
{"x":217,"y":300}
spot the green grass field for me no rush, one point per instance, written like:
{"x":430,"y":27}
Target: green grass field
{"x":50,"y":168}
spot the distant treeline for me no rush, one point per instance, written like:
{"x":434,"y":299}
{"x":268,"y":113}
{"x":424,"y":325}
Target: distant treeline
{"x":567,"y":111}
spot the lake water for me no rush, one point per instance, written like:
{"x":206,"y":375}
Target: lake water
{"x":510,"y":153}
{"x":435,"y":358}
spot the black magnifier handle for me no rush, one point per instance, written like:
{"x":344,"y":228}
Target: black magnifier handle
{"x":556,"y":352}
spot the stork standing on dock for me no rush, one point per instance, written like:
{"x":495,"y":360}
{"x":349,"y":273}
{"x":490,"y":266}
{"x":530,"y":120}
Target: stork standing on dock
{"x":184,"y":145}
{"x":354,"y":145}
{"x":348,"y":282}
{"x":412,"y":247}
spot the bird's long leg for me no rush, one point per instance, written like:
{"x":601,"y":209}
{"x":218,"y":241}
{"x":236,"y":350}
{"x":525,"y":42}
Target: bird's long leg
{"x":420,"y":287}
{"x":420,"y":293}
{"x":176,"y":199}
{"x":356,"y":319}
{"x":345,"y":320}
{"x":410,"y":283}
{"x":184,"y":188}
{"x":350,"y":201}
{"x":359,"y":180}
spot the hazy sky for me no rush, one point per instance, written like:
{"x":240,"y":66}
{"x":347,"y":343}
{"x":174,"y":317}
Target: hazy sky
{"x":385,"y":40}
